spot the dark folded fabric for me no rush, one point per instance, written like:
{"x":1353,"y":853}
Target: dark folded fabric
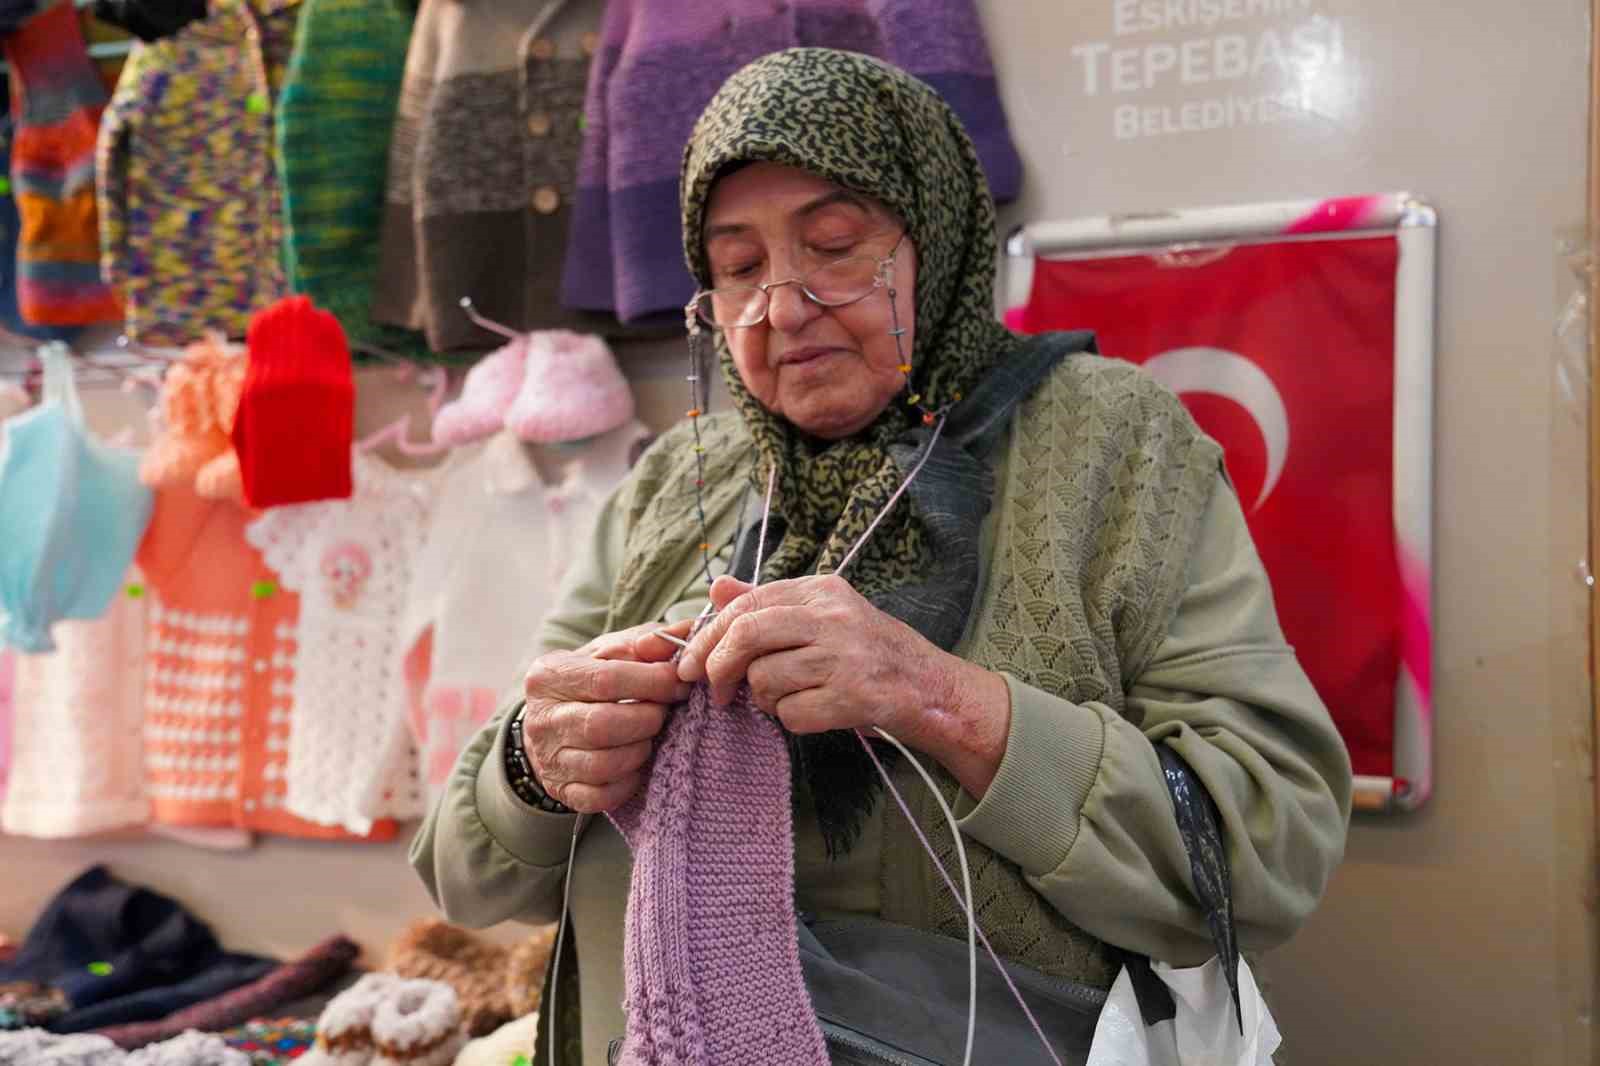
{"x":13,"y":13}
{"x":150,"y":20}
{"x":121,"y":953}
{"x":321,"y":966}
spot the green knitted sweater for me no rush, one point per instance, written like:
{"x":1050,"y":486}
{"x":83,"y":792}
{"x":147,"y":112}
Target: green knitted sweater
{"x":334,"y":119}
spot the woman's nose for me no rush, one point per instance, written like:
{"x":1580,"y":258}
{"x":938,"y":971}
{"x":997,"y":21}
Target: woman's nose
{"x":789,"y":307}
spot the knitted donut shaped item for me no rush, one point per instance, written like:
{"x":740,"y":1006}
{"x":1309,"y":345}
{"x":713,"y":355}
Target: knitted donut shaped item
{"x":344,"y":1031}
{"x":418,"y":1024}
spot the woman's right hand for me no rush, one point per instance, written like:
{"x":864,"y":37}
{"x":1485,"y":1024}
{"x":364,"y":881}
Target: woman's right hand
{"x":593,"y":714}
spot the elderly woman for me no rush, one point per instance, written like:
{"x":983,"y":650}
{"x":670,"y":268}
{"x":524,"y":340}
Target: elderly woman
{"x":1066,"y":584}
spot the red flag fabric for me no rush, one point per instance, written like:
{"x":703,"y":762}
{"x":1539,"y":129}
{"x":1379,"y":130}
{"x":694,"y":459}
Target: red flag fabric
{"x":1285,"y":354}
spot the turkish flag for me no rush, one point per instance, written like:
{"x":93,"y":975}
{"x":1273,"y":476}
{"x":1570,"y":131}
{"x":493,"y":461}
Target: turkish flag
{"x":1284,"y":353}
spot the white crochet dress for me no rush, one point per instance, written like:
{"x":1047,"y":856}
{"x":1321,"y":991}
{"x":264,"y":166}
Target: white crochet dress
{"x":351,"y":757}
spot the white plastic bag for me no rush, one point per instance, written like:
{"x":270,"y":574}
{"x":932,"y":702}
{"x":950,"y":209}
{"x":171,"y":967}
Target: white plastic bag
{"x":1203,"y":1032}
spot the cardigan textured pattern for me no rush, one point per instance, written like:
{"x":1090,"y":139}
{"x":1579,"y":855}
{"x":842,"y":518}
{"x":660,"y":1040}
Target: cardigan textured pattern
{"x":56,"y":104}
{"x":482,"y":166}
{"x":334,"y":121}
{"x":191,"y":216}
{"x":710,"y":954}
{"x":660,"y":64}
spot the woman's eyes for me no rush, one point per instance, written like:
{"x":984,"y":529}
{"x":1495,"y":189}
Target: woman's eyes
{"x":747,"y":273}
{"x":744,"y":272}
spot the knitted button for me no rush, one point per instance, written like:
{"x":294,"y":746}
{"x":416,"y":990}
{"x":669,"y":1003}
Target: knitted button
{"x":542,"y":48}
{"x":546,"y":199}
{"x":539,"y":124}
{"x":590,"y":43}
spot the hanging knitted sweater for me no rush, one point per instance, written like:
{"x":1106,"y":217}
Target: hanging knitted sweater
{"x":57,"y":98}
{"x":657,"y":67}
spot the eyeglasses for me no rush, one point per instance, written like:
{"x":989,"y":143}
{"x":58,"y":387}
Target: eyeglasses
{"x":836,"y":284}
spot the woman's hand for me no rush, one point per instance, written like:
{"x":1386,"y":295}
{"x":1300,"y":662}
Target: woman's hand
{"x":818,"y":656}
{"x":593,"y":714}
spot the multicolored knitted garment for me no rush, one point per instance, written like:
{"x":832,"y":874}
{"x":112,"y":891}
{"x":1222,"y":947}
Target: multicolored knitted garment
{"x":24,"y":1004}
{"x":272,"y":1042}
{"x":191,"y":214}
{"x":56,"y":102}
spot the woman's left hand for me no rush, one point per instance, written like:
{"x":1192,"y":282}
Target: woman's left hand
{"x":818,"y":656}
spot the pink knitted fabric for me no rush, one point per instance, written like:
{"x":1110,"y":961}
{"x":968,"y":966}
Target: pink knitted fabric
{"x":486,"y":394}
{"x":573,"y":389}
{"x":711,"y":955}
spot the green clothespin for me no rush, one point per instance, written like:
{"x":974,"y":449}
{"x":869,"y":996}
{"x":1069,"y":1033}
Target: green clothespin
{"x":263,"y":589}
{"x":257,"y":104}
{"x":135,"y":590}
{"x":100,"y":969}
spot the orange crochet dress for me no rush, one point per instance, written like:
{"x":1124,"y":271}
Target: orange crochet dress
{"x":219,"y":670}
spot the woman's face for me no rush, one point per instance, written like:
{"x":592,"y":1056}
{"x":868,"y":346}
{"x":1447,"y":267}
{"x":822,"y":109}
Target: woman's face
{"x":829,"y":371}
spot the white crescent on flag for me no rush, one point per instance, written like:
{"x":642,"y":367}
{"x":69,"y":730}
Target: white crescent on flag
{"x":1231,"y":376}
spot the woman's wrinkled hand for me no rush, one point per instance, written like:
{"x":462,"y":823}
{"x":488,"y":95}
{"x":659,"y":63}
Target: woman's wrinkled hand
{"x":593,"y":714}
{"x":817,"y":655}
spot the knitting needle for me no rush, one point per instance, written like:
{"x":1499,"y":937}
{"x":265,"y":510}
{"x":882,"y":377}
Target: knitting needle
{"x":487,"y":323}
{"x":705,"y":612}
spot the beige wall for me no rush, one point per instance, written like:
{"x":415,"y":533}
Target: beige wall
{"x":1461,"y":934}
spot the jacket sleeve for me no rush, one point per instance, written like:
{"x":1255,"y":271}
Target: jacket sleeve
{"x":1080,"y":804}
{"x":485,"y":855}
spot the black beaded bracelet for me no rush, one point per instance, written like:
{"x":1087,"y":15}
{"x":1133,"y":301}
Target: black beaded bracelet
{"x":520,"y":775}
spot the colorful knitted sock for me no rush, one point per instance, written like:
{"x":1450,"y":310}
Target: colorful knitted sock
{"x":57,"y":98}
{"x":272,"y":1041}
{"x":418,"y":1024}
{"x":308,"y":974}
{"x":710,"y":956}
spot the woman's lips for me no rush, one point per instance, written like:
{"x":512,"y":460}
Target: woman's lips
{"x":803,"y":355}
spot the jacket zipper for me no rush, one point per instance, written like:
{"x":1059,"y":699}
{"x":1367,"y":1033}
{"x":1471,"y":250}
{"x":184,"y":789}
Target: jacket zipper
{"x":875,"y":1051}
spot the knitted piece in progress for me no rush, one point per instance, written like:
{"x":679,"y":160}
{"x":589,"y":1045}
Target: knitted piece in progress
{"x":710,"y":954}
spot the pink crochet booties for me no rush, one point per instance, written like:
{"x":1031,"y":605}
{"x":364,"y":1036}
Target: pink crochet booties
{"x":572,"y":389}
{"x":486,"y":392}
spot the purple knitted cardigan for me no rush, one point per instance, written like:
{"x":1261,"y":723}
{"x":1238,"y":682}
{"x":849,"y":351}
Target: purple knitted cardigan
{"x":659,"y":65}
{"x":710,"y":956}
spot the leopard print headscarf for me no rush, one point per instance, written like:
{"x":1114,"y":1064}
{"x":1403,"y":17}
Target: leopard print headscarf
{"x":875,"y":130}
